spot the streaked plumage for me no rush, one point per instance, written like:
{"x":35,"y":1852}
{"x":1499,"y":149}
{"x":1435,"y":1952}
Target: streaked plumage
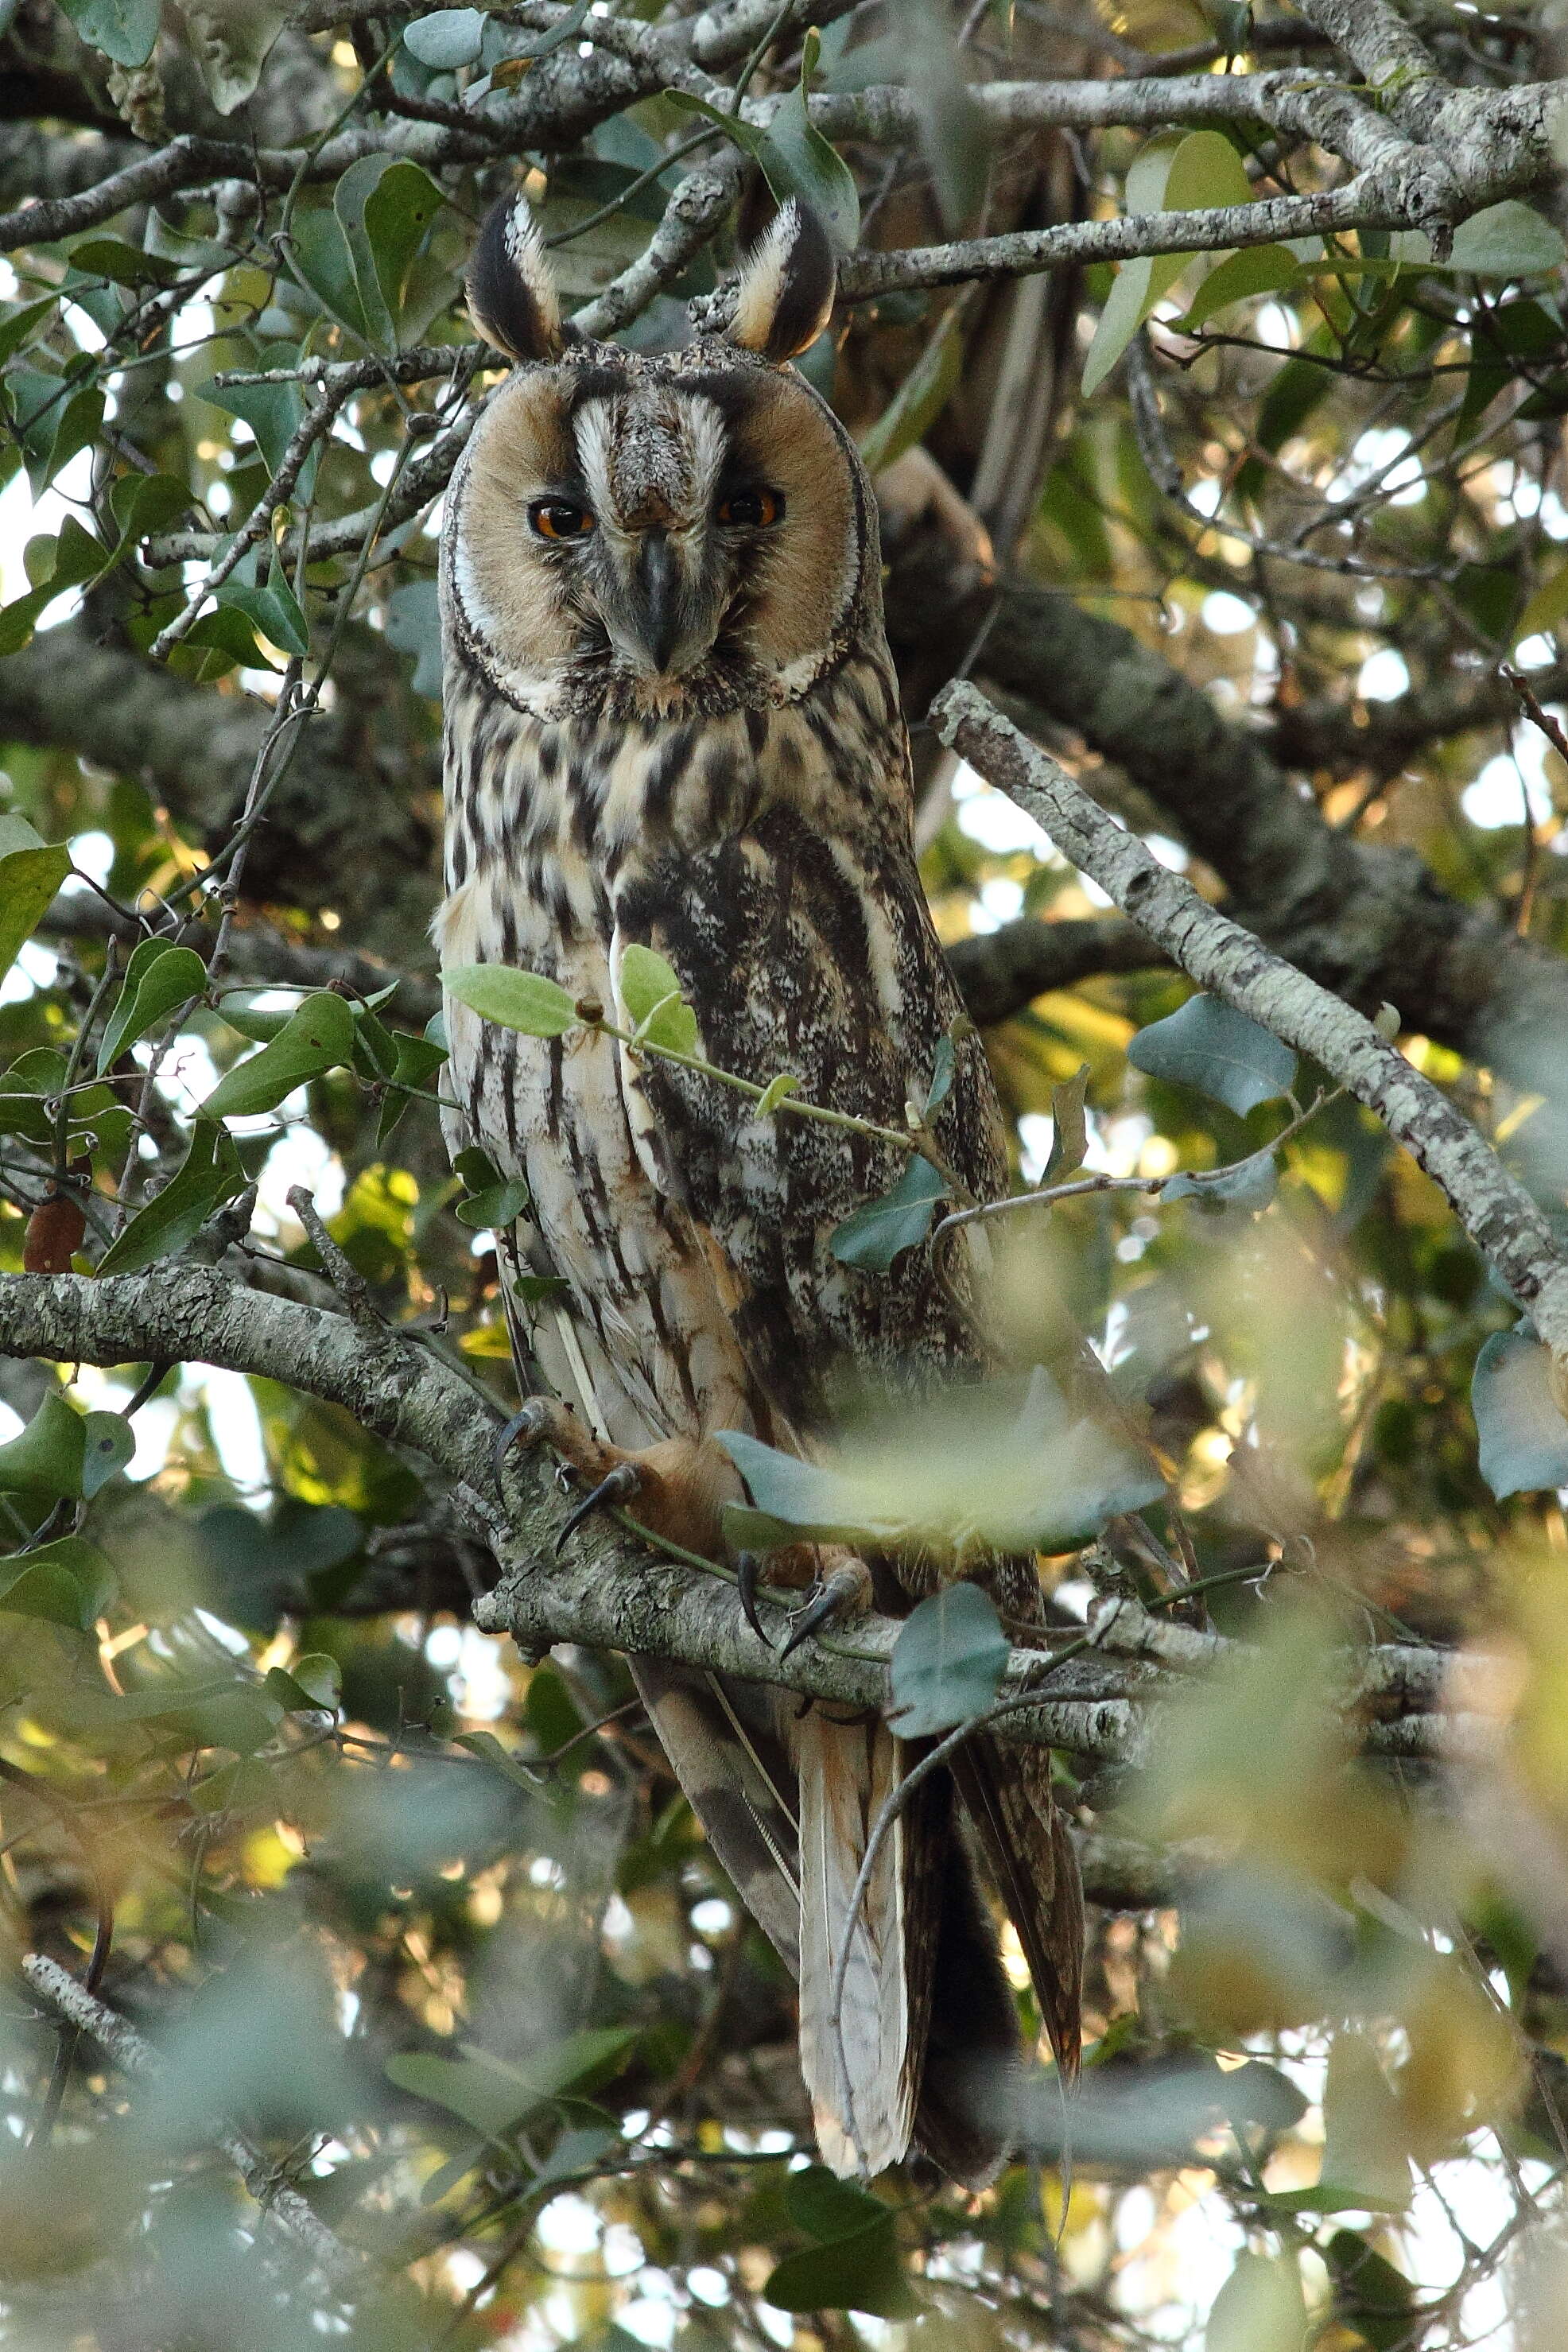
{"x":673,"y":719}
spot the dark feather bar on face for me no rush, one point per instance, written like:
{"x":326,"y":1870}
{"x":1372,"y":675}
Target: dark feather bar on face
{"x":673,"y":723}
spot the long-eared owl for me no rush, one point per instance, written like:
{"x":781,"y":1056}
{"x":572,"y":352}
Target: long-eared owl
{"x":671,"y":721}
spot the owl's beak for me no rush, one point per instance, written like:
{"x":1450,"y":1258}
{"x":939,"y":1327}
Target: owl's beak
{"x":658,"y":600}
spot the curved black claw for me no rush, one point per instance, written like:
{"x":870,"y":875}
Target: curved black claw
{"x":747,"y":1566}
{"x":528,"y":1422}
{"x":830,"y":1601}
{"x":620,"y":1486}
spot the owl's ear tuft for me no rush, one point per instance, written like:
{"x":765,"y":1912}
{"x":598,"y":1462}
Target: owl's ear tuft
{"x":784,"y":298}
{"x":514,"y":298}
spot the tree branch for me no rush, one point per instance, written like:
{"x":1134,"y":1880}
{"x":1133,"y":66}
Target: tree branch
{"x":344,"y":2267}
{"x":1000,"y":972}
{"x":610,"y":1593}
{"x":1494,"y":1209}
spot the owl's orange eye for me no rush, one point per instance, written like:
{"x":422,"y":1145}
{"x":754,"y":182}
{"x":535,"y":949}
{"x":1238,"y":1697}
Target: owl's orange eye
{"x":753,"y":509}
{"x":558,"y":518}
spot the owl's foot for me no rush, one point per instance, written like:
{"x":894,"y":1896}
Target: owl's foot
{"x":845,"y":1591}
{"x":677,"y":1488}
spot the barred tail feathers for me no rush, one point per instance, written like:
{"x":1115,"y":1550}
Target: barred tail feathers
{"x":863,"y":2101}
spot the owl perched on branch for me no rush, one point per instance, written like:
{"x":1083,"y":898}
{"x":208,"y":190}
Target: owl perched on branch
{"x":671,"y":721}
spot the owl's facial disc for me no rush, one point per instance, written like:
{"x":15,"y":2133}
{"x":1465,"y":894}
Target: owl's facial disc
{"x":674,"y":533}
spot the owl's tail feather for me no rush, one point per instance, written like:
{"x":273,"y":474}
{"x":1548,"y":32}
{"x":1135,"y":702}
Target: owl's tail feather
{"x":1024,"y":1840}
{"x":862,"y":2067}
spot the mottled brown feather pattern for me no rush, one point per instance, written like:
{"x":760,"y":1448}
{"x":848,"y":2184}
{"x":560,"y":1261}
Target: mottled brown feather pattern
{"x":742,"y":805}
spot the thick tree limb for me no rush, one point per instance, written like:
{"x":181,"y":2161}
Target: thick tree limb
{"x":1368,"y":923}
{"x":1494,"y":1209}
{"x":609,"y":1593}
{"x":339,"y":819}
{"x":998,"y":972}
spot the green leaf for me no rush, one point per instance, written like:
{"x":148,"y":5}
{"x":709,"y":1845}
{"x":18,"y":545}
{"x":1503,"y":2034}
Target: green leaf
{"x":1370,"y":2296}
{"x":66,"y":1582}
{"x":1255,"y":269}
{"x":124,"y":265}
{"x":1523,"y":1434}
{"x":1201,"y":170}
{"x":1220,"y":1052}
{"x":541,"y":1290}
{"x":413,"y":612}
{"x":1069,"y":1127}
{"x":275,"y":609}
{"x":17,"y":325}
{"x":947,"y":1662}
{"x":1249,"y":1183}
{"x":515,"y":1000}
{"x":144,"y":503}
{"x":656,"y":1008}
{"x":28,"y":881}
{"x":322,"y":265}
{"x":855,"y":2266}
{"x":384,"y":205}
{"x":1545,"y":607}
{"x":46,"y":1458}
{"x":775,"y":1092}
{"x":449,"y":38}
{"x":124,"y":30}
{"x":314,"y":1685}
{"x":158,"y":978}
{"x":800,"y":1495}
{"x":272,"y":411}
{"x":874,"y":1236}
{"x":73,"y":559}
{"x":494,"y":1209}
{"x":494,"y":2098}
{"x":317,"y":1038}
{"x":230,"y":40}
{"x":1261,"y":2307}
{"x":795,"y":159}
{"x":1364,"y":2165}
{"x":920,"y":399}
{"x":954,"y":136}
{"x":1506,"y":240}
{"x":210,"y":1174}
{"x":108,"y":1443}
{"x":488,"y":1749}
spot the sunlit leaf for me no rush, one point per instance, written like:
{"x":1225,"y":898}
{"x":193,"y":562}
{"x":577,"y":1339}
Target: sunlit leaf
{"x":159,"y":978}
{"x":46,"y":1457}
{"x":650,"y":990}
{"x":1261,"y":2307}
{"x":1185,"y":175}
{"x":516,"y":999}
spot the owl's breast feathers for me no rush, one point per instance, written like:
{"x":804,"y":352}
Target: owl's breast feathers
{"x":766,"y":853}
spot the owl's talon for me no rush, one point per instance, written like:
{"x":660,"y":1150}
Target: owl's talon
{"x":842,"y":1594}
{"x":622,"y":1483}
{"x":747,"y":1567}
{"x":530,"y":1424}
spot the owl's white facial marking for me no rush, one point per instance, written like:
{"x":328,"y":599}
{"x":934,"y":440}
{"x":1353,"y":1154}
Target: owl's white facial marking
{"x":658,"y":537}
